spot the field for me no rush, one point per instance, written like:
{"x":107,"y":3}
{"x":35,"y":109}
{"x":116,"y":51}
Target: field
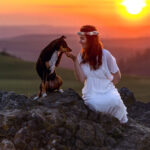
{"x":20,"y":76}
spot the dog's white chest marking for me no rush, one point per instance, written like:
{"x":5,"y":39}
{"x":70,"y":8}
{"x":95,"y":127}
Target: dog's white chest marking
{"x":52,"y":61}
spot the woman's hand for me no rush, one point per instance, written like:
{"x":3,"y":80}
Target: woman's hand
{"x":78,"y":71}
{"x":70,"y":55}
{"x":117,"y":77}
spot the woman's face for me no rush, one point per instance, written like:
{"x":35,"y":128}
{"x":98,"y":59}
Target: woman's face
{"x":83,"y":41}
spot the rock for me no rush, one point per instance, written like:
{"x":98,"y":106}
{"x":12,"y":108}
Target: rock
{"x":127,"y":96}
{"x":136,"y":109}
{"x":7,"y":145}
{"x":61,"y":121}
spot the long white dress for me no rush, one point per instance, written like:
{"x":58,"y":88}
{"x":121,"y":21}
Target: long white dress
{"x":99,"y":93}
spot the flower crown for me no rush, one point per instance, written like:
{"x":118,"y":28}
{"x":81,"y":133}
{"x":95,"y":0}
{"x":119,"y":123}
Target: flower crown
{"x":88,"y":33}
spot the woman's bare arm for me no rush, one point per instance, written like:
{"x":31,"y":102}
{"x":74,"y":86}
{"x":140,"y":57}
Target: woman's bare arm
{"x":78,"y":71}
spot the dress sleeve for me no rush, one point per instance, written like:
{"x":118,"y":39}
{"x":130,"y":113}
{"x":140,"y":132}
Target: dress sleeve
{"x":112,"y":64}
{"x":79,"y":58}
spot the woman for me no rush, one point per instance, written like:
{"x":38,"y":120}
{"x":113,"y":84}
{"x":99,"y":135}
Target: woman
{"x":98,"y":70}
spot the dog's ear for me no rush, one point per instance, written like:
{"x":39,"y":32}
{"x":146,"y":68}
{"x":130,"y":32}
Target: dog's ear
{"x":63,"y":37}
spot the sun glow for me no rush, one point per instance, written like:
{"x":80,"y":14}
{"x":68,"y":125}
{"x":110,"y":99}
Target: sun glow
{"x":134,"y":6}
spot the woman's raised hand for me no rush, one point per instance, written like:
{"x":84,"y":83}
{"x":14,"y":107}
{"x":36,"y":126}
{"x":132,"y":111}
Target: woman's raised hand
{"x":70,"y":55}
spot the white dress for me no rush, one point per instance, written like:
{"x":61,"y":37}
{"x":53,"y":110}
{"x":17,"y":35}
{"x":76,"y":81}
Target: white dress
{"x":99,"y":93}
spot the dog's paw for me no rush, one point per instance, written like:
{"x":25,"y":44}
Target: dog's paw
{"x":61,"y":90}
{"x":44,"y":95}
{"x":36,"y":97}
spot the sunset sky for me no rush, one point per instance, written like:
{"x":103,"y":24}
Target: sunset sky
{"x":71,"y":13}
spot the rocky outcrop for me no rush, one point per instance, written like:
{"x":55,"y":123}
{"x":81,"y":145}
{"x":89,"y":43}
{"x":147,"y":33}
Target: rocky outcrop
{"x":61,"y":121}
{"x":137,"y":110}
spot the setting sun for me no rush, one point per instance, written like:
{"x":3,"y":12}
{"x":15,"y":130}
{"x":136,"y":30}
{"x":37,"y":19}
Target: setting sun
{"x":134,"y":6}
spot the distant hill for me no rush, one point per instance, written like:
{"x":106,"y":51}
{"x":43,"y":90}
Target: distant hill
{"x":139,"y":64}
{"x":125,"y":31}
{"x":28,"y":47}
{"x":20,"y":76}
{"x":16,"y":30}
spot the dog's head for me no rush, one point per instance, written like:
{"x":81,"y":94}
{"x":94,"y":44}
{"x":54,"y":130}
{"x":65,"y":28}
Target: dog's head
{"x":62,"y":45}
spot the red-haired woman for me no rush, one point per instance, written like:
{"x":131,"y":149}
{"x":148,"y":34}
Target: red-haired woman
{"x":97,"y":68}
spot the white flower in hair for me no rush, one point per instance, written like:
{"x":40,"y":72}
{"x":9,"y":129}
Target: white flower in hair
{"x":88,"y":33}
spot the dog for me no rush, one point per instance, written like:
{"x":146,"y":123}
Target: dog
{"x":48,"y":60}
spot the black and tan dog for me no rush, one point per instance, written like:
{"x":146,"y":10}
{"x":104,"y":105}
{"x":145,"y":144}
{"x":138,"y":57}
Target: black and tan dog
{"x":50,"y":58}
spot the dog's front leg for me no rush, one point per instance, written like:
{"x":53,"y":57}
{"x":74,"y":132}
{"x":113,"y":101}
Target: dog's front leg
{"x":43,"y":89}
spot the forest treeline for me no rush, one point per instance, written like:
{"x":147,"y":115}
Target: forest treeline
{"x":139,"y":64}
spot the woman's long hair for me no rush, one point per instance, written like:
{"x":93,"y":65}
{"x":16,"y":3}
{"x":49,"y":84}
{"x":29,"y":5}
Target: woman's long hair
{"x":93,"y":53}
